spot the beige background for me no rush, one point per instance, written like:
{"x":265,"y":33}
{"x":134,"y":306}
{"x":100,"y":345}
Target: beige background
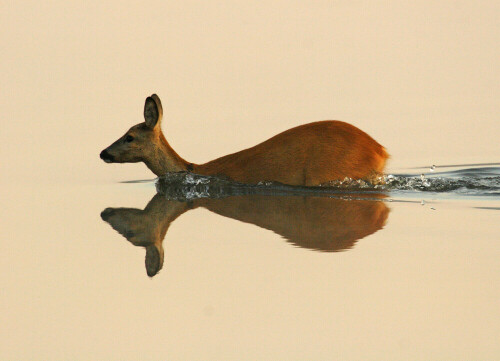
{"x":420,"y":77}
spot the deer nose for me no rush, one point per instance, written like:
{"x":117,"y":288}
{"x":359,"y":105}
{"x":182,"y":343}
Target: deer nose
{"x":105,"y":156}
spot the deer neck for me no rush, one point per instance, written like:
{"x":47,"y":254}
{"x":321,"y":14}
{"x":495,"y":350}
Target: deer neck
{"x":164,"y":159}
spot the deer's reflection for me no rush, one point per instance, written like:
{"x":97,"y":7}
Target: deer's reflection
{"x":319,"y":223}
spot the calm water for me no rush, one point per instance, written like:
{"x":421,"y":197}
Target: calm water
{"x":324,"y":274}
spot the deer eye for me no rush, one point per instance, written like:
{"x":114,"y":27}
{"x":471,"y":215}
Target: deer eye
{"x":129,"y":138}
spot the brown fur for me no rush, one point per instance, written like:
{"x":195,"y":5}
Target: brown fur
{"x":318,"y":223}
{"x":309,"y":154}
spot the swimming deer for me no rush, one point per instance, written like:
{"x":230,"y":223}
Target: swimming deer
{"x":308,"y":155}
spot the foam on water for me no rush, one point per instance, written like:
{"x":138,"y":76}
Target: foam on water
{"x":484,"y":181}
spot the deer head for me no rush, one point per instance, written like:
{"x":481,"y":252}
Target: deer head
{"x":146,"y":143}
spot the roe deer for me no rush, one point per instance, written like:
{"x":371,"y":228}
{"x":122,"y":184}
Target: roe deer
{"x":308,"y":155}
{"x":320,"y":223}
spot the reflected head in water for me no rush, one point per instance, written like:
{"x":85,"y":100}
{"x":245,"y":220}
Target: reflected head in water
{"x":318,"y":223}
{"x":146,"y":228}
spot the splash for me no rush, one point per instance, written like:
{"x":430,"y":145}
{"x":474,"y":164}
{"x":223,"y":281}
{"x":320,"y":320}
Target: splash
{"x":186,"y":186}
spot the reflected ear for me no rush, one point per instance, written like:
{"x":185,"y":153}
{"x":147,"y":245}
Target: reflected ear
{"x":153,"y":111}
{"x":154,"y":259}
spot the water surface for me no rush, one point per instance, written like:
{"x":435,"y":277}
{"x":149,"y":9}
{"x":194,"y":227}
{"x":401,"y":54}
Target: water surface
{"x":121,"y":271}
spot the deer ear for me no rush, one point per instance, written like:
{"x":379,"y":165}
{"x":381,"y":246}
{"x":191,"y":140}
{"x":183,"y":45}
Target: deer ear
{"x":153,"y":111}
